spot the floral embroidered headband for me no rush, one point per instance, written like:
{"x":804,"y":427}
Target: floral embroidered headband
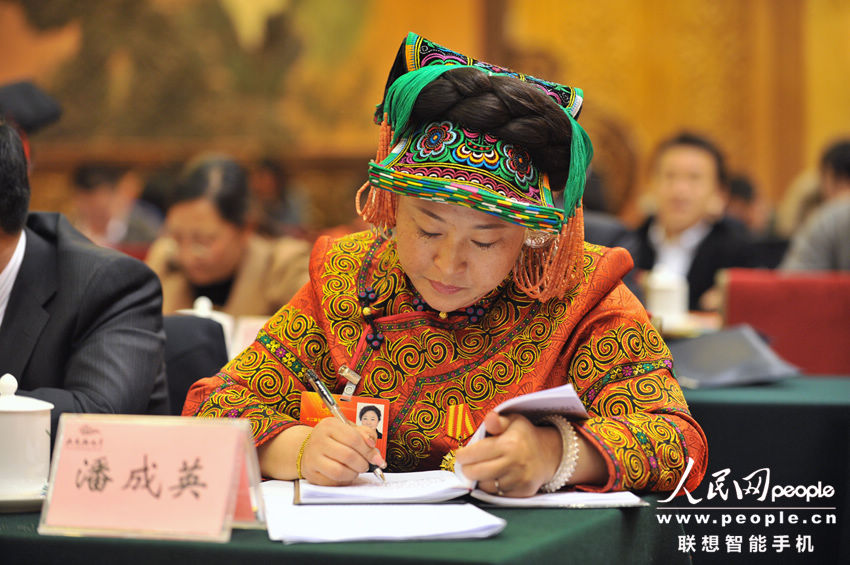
{"x":447,"y":163}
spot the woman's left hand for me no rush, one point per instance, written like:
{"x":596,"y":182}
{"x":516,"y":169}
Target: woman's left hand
{"x":515,"y":459}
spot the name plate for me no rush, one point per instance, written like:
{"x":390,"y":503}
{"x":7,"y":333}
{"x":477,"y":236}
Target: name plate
{"x":165,"y":477}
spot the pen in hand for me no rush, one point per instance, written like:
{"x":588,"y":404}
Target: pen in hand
{"x":331,"y":404}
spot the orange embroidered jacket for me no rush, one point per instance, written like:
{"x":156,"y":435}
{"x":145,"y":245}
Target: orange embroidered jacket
{"x":360,"y":310}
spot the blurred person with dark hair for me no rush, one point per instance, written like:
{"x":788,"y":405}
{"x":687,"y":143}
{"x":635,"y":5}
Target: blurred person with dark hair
{"x":158,"y":186}
{"x":210,"y":248}
{"x":746,"y":206}
{"x":80,"y":325}
{"x":276,"y":209}
{"x":742,"y":200}
{"x":108,"y":209}
{"x":823,"y":243}
{"x":835,"y":171}
{"x":689,"y":235}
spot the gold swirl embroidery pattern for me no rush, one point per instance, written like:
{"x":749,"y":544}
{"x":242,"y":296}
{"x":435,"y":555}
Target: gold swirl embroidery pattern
{"x":232,"y":400}
{"x":337,"y":282}
{"x":669,"y":448}
{"x":476,"y":382}
{"x":484,"y":361}
{"x":614,"y":355}
{"x":259,"y":384}
{"x":480,"y":368}
{"x":646,"y":449}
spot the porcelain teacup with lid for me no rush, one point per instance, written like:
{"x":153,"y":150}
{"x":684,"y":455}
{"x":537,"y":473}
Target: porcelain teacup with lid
{"x":24,"y":442}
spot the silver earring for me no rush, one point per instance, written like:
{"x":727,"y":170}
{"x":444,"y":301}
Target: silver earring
{"x":537,"y":239}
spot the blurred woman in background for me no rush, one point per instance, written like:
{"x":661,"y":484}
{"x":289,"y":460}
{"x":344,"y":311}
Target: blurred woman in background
{"x":210,"y":249}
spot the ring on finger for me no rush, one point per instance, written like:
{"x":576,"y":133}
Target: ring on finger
{"x":498,"y":488}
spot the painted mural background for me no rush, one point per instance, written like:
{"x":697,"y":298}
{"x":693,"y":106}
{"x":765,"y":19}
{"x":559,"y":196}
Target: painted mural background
{"x":152,"y":82}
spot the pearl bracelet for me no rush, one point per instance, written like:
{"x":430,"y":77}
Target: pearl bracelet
{"x":569,"y":457}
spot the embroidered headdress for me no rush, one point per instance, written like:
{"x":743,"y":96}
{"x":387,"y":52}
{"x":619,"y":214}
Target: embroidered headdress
{"x":447,"y":162}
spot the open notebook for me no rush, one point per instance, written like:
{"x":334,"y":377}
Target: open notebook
{"x":424,"y":487}
{"x":559,"y":400}
{"x":437,"y":486}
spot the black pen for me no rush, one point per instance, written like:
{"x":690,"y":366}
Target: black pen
{"x":331,"y":404}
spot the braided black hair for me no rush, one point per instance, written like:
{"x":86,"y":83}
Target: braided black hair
{"x":506,"y":107}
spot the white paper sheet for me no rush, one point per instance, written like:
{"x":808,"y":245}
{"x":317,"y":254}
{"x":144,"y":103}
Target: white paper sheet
{"x":564,"y":500}
{"x":292,"y":523}
{"x":559,"y":400}
{"x":419,"y":487}
{"x":437,"y":486}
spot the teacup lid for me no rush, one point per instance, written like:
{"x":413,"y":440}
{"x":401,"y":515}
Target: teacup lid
{"x":10,"y":402}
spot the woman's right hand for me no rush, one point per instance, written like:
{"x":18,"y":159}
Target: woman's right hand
{"x":336,"y":453}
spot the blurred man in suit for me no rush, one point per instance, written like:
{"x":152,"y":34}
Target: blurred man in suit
{"x":80,"y":325}
{"x":689,"y":235}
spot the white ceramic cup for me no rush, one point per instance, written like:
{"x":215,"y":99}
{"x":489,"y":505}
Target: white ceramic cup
{"x":667,"y":297}
{"x":24,"y":442}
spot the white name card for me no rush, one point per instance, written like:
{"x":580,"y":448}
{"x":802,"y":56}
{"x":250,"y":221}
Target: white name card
{"x":165,"y":477}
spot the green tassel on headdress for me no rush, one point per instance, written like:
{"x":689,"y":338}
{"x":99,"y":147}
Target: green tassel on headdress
{"x":581,"y":152}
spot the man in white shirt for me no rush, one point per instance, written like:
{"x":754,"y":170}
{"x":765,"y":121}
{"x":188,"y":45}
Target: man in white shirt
{"x":689,"y":235}
{"x":81,"y":325}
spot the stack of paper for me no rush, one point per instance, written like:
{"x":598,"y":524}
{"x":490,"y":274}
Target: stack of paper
{"x":564,"y":500}
{"x":291,"y":523}
{"x":438,"y":486}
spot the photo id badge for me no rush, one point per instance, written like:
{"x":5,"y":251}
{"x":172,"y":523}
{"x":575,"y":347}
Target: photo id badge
{"x":359,"y":410}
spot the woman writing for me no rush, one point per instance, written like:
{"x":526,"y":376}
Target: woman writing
{"x":473,"y":289}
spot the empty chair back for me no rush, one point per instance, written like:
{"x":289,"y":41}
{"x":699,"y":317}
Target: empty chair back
{"x":194,"y":349}
{"x":804,"y":316}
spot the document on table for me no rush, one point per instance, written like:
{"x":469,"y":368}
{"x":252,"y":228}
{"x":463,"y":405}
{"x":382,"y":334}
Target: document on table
{"x":419,"y":487}
{"x":291,"y":523}
{"x":437,"y":486}
{"x":572,"y":499}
